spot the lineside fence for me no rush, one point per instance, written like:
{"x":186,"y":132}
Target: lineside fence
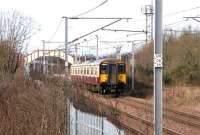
{"x":87,"y":124}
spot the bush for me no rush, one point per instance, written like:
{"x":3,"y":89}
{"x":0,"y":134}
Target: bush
{"x":181,"y":61}
{"x":167,"y":78}
{"x":33,"y":108}
{"x":16,"y":29}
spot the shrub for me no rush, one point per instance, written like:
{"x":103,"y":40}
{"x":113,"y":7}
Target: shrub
{"x":30,"y":108}
{"x":181,"y":60}
{"x":168,"y":78}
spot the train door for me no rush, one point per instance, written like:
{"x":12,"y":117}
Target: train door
{"x":112,"y":74}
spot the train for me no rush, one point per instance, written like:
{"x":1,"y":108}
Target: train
{"x":107,"y":75}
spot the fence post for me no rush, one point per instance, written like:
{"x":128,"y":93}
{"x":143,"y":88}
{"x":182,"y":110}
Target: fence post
{"x":76,"y":123}
{"x":69,"y":120}
{"x":102,"y":125}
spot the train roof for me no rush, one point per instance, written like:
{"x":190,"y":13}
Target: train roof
{"x":98,"y":62}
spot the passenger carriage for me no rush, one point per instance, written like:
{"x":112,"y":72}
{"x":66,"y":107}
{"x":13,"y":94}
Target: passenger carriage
{"x":107,"y":74}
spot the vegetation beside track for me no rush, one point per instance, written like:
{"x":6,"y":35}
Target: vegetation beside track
{"x":32,"y":107}
{"x":181,"y":60}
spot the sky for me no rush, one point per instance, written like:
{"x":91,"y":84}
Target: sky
{"x":48,"y":15}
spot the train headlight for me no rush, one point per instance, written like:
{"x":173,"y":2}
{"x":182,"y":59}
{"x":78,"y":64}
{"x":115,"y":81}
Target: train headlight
{"x":122,"y":78}
{"x":103,"y":78}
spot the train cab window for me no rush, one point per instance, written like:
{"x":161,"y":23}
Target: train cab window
{"x":121,"y":68}
{"x":104,"y":68}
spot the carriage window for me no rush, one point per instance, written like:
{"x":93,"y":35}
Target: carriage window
{"x":92,"y":70}
{"x":96,"y":71}
{"x":121,"y":68}
{"x":88,"y":71}
{"x":104,"y":68}
{"x":84,"y":70}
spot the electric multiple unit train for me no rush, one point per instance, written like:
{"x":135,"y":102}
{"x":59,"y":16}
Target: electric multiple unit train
{"x":107,"y":74}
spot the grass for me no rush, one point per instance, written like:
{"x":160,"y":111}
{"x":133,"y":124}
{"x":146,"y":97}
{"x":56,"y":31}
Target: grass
{"x":184,"y":96}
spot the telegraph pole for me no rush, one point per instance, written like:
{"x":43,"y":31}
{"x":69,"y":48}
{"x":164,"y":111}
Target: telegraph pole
{"x":43,"y":56}
{"x":66,"y":67}
{"x":152,"y":15}
{"x":146,"y":31}
{"x":133,"y":65}
{"x":118,"y":52}
{"x":97,"y":46}
{"x":158,"y":47}
{"x":148,"y":12}
{"x":76,"y":53}
{"x":66,"y":45}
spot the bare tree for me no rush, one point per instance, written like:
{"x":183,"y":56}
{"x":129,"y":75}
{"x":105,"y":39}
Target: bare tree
{"x":15,"y":30}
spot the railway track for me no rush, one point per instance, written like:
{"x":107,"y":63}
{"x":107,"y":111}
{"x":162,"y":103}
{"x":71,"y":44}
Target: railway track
{"x":129,"y":127}
{"x":172,"y":114}
{"x":146,"y":124}
{"x":166,"y":131}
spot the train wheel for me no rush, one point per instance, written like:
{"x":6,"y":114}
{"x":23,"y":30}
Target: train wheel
{"x":117,"y":92}
{"x":103,"y":91}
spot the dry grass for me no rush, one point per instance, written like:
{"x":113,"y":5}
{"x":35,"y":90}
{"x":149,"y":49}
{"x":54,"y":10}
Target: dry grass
{"x":27,"y":108}
{"x":90,"y":102}
{"x":184,"y":96}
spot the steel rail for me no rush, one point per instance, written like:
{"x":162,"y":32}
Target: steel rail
{"x":177,"y":115}
{"x":133,"y":130}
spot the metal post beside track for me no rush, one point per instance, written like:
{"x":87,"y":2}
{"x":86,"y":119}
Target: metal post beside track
{"x":43,"y":56}
{"x":66,"y":45}
{"x":133,"y":65}
{"x":158,"y":44}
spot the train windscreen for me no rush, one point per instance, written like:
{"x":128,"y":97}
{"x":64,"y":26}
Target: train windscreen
{"x":104,"y":68}
{"x":121,"y":68}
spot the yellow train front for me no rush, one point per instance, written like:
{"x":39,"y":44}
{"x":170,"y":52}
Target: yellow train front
{"x":107,"y":75}
{"x":112,"y":76}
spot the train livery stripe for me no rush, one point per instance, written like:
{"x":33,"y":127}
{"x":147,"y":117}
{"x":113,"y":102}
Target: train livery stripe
{"x":86,"y":79}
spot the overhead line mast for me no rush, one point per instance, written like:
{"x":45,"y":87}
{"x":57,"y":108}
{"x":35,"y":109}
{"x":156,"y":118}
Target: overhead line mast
{"x":93,"y":18}
{"x":158,"y":66}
